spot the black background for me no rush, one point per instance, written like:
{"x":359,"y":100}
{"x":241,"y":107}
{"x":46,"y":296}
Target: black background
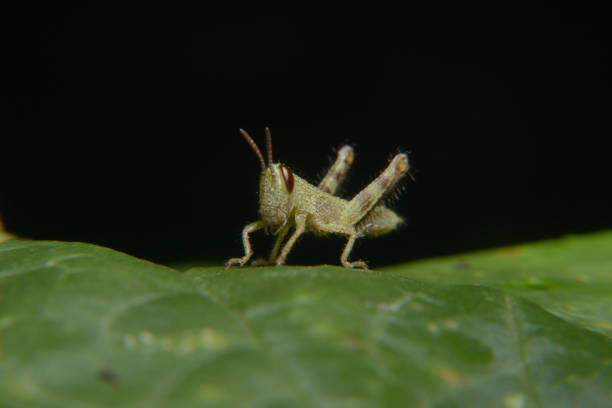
{"x":122,"y":127}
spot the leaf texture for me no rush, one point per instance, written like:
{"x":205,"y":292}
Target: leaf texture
{"x":86,"y":326}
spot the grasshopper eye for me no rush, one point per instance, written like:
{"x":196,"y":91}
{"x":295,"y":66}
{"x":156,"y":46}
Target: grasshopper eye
{"x":287,"y":177}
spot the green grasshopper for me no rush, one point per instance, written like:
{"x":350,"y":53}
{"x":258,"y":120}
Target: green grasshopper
{"x":287,"y":201}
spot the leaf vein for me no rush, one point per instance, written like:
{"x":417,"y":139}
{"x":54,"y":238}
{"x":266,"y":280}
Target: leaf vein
{"x":516,"y":327}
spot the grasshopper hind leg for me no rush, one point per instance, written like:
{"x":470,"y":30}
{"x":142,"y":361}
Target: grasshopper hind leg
{"x":352,"y":237}
{"x":360,"y":264}
{"x":349,"y":246}
{"x":337,"y":172}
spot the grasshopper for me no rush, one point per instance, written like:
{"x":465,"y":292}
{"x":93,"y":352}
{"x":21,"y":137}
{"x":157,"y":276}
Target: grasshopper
{"x":287,"y":201}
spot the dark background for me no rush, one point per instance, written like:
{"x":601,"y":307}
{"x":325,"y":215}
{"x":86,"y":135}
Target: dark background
{"x":122,"y":127}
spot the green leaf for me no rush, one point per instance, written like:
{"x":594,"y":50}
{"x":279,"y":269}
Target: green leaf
{"x":570,"y":277}
{"x":85,"y":326}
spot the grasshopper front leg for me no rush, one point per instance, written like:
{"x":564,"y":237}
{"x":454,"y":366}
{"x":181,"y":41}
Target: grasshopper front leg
{"x":300,"y":227}
{"x":248,"y":251}
{"x":279,"y":240}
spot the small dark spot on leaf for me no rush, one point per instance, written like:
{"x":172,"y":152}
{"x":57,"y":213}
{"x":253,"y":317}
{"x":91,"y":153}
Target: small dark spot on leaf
{"x":108,"y":376}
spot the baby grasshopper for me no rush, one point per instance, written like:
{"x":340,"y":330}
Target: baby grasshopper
{"x":287,"y":201}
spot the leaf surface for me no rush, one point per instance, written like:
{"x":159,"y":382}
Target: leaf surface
{"x":86,"y":326}
{"x":570,"y":277}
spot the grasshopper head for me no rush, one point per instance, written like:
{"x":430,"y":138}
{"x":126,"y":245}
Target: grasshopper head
{"x":275,"y":187}
{"x":276,"y":195}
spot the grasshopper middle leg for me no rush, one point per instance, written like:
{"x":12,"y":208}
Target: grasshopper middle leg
{"x":337,"y":172}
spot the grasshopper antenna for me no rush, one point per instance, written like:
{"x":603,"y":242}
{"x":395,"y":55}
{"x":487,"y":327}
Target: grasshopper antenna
{"x":269,"y":146}
{"x":254,"y":147}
